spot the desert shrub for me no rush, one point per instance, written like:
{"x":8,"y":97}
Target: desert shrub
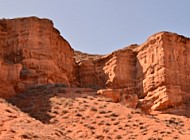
{"x":60,"y":85}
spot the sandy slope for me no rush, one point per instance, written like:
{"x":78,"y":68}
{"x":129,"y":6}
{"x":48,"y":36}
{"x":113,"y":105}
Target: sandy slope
{"x":55,"y":112}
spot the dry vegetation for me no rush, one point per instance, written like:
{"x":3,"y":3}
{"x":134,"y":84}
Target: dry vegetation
{"x":79,"y":113}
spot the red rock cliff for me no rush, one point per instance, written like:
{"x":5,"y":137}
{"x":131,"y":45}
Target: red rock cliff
{"x":156,"y":71}
{"x":162,"y":71}
{"x":152,"y":76}
{"x":109,"y":71}
{"x":32,"y":52}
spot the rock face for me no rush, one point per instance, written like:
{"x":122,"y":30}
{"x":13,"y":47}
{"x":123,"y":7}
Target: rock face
{"x":156,"y":71}
{"x":53,"y":92}
{"x":109,"y":71}
{"x":162,"y":71}
{"x":32,"y":52}
{"x":152,"y":76}
{"x":9,"y":76}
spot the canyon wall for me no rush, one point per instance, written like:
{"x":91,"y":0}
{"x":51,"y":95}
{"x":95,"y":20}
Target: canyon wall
{"x":33,"y":52}
{"x":164,"y":79}
{"x":115,"y":73}
{"x":152,"y":76}
{"x":177,"y":65}
{"x":109,"y":71}
{"x":156,"y":71}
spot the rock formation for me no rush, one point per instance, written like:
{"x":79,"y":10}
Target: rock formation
{"x":162,"y":71}
{"x":54,"y":92}
{"x":32,"y":52}
{"x":156,"y":71}
{"x":110,"y":71}
{"x":152,"y":76}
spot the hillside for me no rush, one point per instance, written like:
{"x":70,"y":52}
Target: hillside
{"x":48,"y":90}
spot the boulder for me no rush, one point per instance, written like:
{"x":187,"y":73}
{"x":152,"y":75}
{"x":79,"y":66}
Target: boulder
{"x":123,"y":96}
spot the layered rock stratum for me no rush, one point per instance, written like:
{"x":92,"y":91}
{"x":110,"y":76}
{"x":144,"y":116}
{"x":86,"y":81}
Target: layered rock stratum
{"x":156,"y":71}
{"x":58,"y":93}
{"x":32,"y":52}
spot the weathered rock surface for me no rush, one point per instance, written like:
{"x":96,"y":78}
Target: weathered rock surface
{"x":58,"y":98}
{"x":109,"y":71}
{"x":156,"y":71}
{"x":162,"y":71}
{"x":9,"y":76}
{"x":32,"y":52}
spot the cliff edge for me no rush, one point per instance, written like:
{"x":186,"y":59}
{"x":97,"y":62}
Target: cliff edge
{"x":150,"y":76}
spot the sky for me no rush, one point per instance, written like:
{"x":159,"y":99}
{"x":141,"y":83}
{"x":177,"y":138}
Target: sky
{"x":102,"y":26}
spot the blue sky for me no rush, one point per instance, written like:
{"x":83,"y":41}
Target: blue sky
{"x":102,"y":26}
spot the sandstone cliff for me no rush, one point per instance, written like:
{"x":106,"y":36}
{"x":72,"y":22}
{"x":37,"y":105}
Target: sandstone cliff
{"x":156,"y":71}
{"x":52,"y":92}
{"x":110,"y":71}
{"x":152,"y":76}
{"x":32,"y":52}
{"x":163,"y":79}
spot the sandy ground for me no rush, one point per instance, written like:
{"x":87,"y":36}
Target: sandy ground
{"x":57,"y":112}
